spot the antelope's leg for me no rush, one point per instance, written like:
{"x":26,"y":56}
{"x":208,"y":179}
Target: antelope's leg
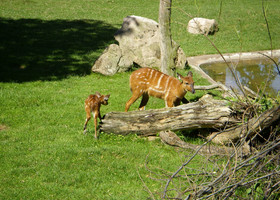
{"x":184,"y":100}
{"x":177,"y":102}
{"x":134,"y":97}
{"x":169,"y":103}
{"x":144,"y":101}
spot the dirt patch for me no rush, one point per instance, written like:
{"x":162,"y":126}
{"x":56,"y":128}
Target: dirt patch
{"x":3,"y":127}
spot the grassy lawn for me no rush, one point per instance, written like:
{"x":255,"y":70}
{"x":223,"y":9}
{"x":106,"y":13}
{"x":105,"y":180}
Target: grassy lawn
{"x":47,"y":48}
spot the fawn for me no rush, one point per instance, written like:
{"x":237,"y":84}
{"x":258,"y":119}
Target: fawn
{"x":92,"y":104}
{"x":147,"y":82}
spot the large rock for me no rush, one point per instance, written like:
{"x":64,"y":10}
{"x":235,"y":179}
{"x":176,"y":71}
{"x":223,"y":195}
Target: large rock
{"x":107,"y":63}
{"x":202,"y":26}
{"x":138,"y":40}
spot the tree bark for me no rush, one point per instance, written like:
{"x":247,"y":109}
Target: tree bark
{"x":166,"y":47}
{"x":205,"y":113}
{"x":249,"y":129}
{"x":206,"y":87}
{"x":170,"y":138}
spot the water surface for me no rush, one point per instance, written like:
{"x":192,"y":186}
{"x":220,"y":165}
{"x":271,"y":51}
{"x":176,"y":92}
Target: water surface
{"x":258,"y":75}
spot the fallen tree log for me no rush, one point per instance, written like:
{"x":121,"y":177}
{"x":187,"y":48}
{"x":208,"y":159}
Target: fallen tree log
{"x":205,"y":113}
{"x":170,"y":138}
{"x":217,"y":85}
{"x":207,"y":87}
{"x":255,"y":125}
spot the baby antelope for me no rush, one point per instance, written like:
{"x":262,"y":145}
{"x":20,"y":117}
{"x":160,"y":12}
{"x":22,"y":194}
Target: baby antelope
{"x":92,"y":104}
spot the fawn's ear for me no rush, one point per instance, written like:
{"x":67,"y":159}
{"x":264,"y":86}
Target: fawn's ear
{"x":98,"y":94}
{"x":107,"y":97}
{"x":190,"y":74}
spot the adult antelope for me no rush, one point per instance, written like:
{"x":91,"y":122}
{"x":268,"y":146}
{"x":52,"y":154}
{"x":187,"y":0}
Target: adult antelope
{"x":147,"y":82}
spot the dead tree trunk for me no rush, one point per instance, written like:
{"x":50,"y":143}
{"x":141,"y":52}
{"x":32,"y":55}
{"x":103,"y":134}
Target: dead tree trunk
{"x":254,"y":126}
{"x":205,"y":113}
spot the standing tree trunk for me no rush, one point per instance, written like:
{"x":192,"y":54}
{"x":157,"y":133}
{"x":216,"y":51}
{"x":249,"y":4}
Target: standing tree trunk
{"x":166,"y":47}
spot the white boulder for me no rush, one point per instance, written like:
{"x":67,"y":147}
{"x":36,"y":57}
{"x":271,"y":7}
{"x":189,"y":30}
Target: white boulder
{"x":202,"y":26}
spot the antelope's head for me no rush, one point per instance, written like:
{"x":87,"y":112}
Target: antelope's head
{"x":103,"y":99}
{"x":188,"y":83}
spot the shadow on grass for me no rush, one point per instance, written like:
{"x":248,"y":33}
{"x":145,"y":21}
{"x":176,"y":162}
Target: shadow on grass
{"x":33,"y":49}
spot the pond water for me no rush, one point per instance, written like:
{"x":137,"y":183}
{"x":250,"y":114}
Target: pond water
{"x":252,"y":73}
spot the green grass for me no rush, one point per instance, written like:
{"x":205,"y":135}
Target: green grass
{"x":50,"y":40}
{"x":242,"y":26}
{"x":46,"y":51}
{"x":45,"y":155}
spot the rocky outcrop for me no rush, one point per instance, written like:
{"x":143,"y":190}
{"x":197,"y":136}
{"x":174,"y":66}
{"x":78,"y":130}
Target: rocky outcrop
{"x":138,"y":40}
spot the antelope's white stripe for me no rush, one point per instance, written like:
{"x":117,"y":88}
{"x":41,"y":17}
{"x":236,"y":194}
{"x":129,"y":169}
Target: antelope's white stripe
{"x":151,"y":74}
{"x":159,"y":80}
{"x":169,"y":88}
{"x":156,"y":90}
{"x":166,"y":83}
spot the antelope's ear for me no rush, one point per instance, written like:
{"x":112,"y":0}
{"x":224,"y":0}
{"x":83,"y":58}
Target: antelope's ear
{"x":190,"y":74}
{"x":98,"y":94}
{"x":107,"y":96}
{"x":180,"y":77}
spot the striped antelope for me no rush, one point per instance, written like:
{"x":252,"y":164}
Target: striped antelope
{"x":92,"y":105}
{"x":147,"y":82}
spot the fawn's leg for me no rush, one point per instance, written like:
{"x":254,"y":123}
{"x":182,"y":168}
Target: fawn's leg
{"x":87,"y":119}
{"x":95,"y":124}
{"x":99,"y":115}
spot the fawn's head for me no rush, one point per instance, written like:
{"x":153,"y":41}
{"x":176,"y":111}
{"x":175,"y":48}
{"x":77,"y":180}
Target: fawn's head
{"x":187,"y":82}
{"x":103,"y":99}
